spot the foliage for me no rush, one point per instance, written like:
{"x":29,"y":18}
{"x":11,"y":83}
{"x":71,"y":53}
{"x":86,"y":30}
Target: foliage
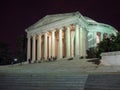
{"x":21,"y":48}
{"x":91,"y":53}
{"x":5,"y":55}
{"x":109,"y":44}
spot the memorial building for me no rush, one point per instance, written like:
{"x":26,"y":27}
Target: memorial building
{"x":64,"y":35}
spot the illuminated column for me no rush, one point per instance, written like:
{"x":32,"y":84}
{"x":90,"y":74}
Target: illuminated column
{"x":60,"y":44}
{"x":33,"y":48}
{"x":101,"y":36}
{"x":94,"y":35}
{"x":28,"y":47}
{"x":72,"y":43}
{"x":49,"y":46}
{"x":81,"y":42}
{"x":39,"y":48}
{"x":68,"y":41}
{"x":77,"y":40}
{"x":98,"y":38}
{"x":84,"y":43}
{"x":53,"y":44}
{"x":45,"y":46}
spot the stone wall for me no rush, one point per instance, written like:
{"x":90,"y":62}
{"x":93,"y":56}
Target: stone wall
{"x":111,"y":58}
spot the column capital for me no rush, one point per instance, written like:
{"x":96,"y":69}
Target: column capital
{"x":28,"y":37}
{"x":68,"y":27}
{"x":33,"y":35}
{"x":40,"y":34}
{"x":53,"y":31}
{"x":76,"y":23}
{"x":45,"y":33}
{"x":60,"y":29}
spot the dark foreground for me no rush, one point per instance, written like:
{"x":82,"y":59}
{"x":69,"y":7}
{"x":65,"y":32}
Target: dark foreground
{"x":60,"y":82}
{"x":60,"y":75}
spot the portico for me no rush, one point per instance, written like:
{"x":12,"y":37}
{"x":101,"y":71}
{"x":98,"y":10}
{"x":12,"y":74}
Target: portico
{"x":57,"y":43}
{"x":65,"y":35}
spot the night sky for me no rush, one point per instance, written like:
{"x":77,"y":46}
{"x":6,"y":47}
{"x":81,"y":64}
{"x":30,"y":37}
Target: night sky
{"x":17,"y":15}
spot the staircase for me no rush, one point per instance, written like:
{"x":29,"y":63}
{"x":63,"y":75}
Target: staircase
{"x":103,"y":82}
{"x":36,"y":82}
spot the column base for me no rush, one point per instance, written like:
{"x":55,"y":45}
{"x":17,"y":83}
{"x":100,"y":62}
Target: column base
{"x":77,"y":57}
{"x":32,"y":61}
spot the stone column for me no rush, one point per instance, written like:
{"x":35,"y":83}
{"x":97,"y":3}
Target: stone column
{"x":53,"y":44}
{"x":95,"y":42}
{"x":39,"y":48}
{"x":77,"y":40}
{"x":81,"y":41}
{"x":33,"y":48}
{"x":72,"y":43}
{"x":49,"y":46}
{"x":86,"y":40}
{"x":84,"y":43}
{"x":68,"y":41}
{"x":60,"y":44}
{"x":101,"y":36}
{"x":28,"y":47}
{"x":45,"y":46}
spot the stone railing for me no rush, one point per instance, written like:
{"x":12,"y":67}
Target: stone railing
{"x":111,"y":58}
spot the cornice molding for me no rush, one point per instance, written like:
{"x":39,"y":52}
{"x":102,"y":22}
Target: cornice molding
{"x":53,"y":26}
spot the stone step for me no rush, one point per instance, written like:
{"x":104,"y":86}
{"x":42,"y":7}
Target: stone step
{"x":99,"y":88}
{"x":103,"y":82}
{"x":41,"y":79}
{"x":42,"y":82}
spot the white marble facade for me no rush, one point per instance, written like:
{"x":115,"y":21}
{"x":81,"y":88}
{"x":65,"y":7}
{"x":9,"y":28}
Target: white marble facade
{"x":64,"y":36}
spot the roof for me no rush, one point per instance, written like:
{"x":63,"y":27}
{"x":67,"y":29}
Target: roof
{"x":52,"y":18}
{"x":57,"y":17}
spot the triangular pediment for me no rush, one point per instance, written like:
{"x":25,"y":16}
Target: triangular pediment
{"x":52,"y":18}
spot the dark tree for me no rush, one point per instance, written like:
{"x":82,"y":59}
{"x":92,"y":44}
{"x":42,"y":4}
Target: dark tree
{"x":109,"y":44}
{"x":5,"y":55}
{"x":21,"y":48}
